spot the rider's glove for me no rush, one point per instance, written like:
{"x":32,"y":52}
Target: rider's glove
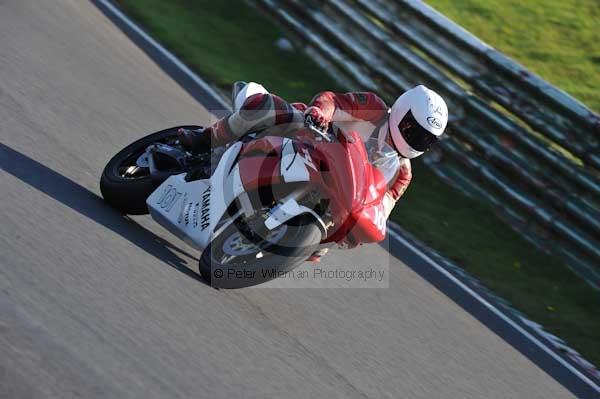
{"x":317,"y":117}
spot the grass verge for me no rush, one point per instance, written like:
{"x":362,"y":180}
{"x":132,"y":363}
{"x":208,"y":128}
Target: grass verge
{"x":227,"y":40}
{"x":558,"y":40}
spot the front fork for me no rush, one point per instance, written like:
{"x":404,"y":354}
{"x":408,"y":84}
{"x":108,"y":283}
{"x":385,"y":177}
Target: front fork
{"x":289,"y":207}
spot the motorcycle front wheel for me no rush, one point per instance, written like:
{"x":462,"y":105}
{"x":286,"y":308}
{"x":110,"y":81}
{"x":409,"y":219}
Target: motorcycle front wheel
{"x":234,"y":259}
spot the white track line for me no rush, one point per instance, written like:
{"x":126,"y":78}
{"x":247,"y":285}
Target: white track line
{"x":492,"y":308}
{"x":170,"y":56}
{"x":206,"y":87}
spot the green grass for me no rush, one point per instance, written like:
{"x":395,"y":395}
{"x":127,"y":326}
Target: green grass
{"x":227,"y":41}
{"x":557,"y":39}
{"x":467,"y":232}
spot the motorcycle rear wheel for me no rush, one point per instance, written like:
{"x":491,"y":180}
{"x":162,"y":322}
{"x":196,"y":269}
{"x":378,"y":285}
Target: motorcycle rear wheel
{"x":263,"y":263}
{"x":128,"y":191}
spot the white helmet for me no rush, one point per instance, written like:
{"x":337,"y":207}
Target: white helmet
{"x":417,"y":120}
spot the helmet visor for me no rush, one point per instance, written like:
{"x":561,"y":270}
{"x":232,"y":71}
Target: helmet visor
{"x":416,"y":135}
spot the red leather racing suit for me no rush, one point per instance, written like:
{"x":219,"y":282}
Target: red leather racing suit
{"x":364,"y":112}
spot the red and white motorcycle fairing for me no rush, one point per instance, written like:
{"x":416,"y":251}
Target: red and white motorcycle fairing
{"x":341,"y":172}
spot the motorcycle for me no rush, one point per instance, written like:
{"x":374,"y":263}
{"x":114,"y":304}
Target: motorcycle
{"x":260,"y":206}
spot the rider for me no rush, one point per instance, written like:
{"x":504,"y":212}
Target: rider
{"x":415,"y":121}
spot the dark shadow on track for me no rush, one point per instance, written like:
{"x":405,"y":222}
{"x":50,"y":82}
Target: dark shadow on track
{"x":88,"y":204}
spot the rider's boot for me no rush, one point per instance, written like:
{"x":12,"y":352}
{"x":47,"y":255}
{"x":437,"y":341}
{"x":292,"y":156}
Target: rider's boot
{"x":236,"y":88}
{"x":194,"y":140}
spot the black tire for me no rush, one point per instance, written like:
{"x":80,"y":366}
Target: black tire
{"x":128,"y":195}
{"x":300,"y":240}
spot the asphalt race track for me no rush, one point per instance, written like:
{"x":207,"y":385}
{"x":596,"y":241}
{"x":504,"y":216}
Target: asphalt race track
{"x":96,"y":305}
